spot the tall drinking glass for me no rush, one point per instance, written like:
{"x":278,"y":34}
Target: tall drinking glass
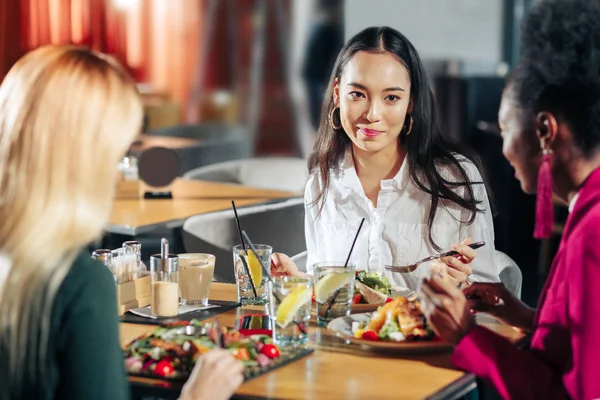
{"x":249,"y":273}
{"x":291,"y":299}
{"x":334,"y":289}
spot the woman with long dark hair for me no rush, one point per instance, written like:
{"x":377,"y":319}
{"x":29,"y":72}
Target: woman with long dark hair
{"x":550,"y":120}
{"x":380,"y":155}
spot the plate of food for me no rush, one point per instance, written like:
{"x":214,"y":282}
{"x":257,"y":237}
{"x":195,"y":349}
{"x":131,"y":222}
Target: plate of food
{"x":398,"y":326}
{"x":372,"y":289}
{"x":171,"y":351}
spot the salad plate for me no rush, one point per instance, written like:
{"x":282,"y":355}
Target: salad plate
{"x":396,"y":327}
{"x":372,"y":289}
{"x":170,"y":351}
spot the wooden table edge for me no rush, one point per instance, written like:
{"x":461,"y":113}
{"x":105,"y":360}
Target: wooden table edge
{"x":132,"y":230}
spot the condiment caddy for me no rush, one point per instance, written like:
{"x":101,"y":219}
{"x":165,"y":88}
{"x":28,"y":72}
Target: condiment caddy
{"x":132,"y":279}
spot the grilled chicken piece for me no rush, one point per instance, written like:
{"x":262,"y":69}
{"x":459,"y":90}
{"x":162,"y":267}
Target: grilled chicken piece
{"x":411,"y":320}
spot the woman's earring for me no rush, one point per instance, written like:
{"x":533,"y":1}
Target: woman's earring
{"x":331,"y":123}
{"x":544,"y":206}
{"x":410,"y":125}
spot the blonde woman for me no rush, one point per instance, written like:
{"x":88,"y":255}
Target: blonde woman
{"x":67,"y":115}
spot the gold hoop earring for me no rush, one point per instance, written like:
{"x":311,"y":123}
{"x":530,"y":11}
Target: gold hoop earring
{"x":331,"y":119}
{"x":410,"y":126}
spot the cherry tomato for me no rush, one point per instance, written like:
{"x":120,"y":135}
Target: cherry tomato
{"x":163,"y":368}
{"x":270,"y":350}
{"x":370,"y":335}
{"x":357,"y":298}
{"x":389,"y":299}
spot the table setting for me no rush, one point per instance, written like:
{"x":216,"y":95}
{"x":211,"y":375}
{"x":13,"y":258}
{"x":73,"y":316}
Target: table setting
{"x":282,"y":327}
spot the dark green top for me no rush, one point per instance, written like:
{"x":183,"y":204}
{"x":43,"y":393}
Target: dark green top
{"x":84,"y":356}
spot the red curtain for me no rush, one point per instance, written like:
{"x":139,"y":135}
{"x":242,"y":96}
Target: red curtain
{"x":156,"y":40}
{"x":11,"y":47}
{"x":28,"y":24}
{"x":93,"y":23}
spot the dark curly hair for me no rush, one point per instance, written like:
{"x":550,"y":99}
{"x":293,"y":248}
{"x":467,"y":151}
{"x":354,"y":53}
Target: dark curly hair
{"x":559,"y":69}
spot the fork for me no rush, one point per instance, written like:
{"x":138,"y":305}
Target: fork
{"x":412,"y":267}
{"x":218,"y":333}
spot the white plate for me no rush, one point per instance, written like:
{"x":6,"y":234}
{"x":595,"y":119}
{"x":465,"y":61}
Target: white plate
{"x":342,"y":327}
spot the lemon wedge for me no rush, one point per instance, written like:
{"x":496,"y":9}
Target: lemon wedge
{"x":290,"y":305}
{"x":256,"y":322}
{"x":254,"y":268}
{"x":329,"y":284}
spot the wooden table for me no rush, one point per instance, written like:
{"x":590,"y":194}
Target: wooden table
{"x":338,"y":370}
{"x":132,"y":216}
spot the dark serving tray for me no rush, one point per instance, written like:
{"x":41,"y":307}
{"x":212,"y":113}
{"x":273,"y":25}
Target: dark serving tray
{"x":199,"y":315}
{"x":286,"y":357}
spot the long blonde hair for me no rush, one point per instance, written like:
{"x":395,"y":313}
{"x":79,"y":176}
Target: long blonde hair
{"x":67,"y":115}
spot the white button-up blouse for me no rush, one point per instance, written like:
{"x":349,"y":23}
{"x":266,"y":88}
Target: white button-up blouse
{"x":394,"y":232}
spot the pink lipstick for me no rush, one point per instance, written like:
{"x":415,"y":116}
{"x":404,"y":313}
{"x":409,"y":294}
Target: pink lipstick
{"x":370,"y":132}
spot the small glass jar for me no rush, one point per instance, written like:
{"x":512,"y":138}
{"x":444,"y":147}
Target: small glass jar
{"x":165,"y":285}
{"x":136,"y":247}
{"x":105,"y":257}
{"x":128,"y":167}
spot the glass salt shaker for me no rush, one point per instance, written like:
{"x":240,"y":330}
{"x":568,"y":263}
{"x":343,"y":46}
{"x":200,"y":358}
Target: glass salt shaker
{"x":136,"y":246}
{"x":164,"y":268}
{"x":105,"y":257}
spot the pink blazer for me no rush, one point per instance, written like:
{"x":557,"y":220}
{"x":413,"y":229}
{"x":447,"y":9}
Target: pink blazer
{"x":564,"y":360}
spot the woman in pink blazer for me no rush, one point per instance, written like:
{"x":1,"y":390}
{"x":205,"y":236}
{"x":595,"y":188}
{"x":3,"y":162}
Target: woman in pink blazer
{"x":550,"y":120}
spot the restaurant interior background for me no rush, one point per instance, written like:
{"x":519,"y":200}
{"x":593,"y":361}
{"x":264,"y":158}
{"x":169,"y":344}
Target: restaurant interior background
{"x":254,"y":71}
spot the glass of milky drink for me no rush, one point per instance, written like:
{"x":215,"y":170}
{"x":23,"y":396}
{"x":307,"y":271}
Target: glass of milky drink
{"x":195,"y":275}
{"x":165,"y":284}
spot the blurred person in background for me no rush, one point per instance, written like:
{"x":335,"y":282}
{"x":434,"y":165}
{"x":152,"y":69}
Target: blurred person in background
{"x":67,"y":116}
{"x":324,"y":43}
{"x":380,"y":155}
{"x":550,"y":120}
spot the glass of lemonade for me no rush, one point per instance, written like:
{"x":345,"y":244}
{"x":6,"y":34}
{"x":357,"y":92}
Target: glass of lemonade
{"x":196,"y":272}
{"x":248,"y":272}
{"x":334,"y":289}
{"x":291,"y":299}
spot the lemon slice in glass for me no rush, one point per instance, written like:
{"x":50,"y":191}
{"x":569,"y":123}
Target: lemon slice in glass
{"x":254,"y":268}
{"x":291,"y":304}
{"x":329,"y":284}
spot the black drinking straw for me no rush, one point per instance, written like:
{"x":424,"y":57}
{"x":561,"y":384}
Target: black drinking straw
{"x":237,"y":220}
{"x":345,"y":266}
{"x":266,"y":272}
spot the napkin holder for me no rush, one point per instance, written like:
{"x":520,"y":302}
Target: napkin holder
{"x":134,"y":294}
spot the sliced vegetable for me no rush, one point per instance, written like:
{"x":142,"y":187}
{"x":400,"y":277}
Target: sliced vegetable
{"x":241,"y":354}
{"x":263,"y":360}
{"x":389,"y":327}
